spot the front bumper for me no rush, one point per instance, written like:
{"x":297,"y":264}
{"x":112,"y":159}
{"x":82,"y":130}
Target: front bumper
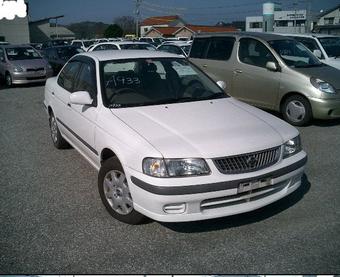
{"x":196,"y":198}
{"x":31,"y":77}
{"x":325,"y":108}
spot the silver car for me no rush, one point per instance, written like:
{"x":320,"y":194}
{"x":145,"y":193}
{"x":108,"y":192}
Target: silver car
{"x":22,"y":64}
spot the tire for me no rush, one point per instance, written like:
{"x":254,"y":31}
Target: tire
{"x":115,"y":195}
{"x":297,"y":110}
{"x":58,"y":141}
{"x":8,"y":80}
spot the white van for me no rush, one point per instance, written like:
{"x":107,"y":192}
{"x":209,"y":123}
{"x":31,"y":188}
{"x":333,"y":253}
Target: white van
{"x":325,"y":47}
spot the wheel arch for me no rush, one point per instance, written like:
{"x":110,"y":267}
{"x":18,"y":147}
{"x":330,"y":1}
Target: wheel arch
{"x":289,"y":94}
{"x":106,"y":154}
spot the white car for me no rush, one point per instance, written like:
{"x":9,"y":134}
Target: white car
{"x":82,"y":44}
{"x":121,"y":45}
{"x":165,"y":150}
{"x":325,"y":47}
{"x":181,"y":48}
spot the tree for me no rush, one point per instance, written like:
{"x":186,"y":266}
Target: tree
{"x":113,"y":31}
{"x":127,"y":23}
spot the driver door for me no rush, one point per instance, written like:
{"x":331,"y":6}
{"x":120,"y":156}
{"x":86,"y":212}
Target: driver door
{"x":252,"y":81}
{"x":84,"y":117}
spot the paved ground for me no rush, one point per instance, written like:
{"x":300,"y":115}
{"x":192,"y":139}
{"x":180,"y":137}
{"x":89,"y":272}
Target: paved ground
{"x":52,"y":220}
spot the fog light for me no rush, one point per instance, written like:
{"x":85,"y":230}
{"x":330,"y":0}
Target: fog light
{"x":177,"y":208}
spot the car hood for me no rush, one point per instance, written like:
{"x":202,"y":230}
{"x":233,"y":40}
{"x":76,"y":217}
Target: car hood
{"x":334,"y":62}
{"x":206,"y":129}
{"x":34,"y":63}
{"x":326,"y":73}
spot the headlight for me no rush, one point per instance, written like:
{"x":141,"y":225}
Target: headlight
{"x":18,"y":69}
{"x":292,"y":147}
{"x":175,"y":167}
{"x":322,"y":85}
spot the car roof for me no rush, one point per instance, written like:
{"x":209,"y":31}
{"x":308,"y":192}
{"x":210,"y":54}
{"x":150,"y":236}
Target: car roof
{"x":106,"y":55}
{"x":309,"y":35}
{"x":264,"y":36}
{"x":123,"y":42}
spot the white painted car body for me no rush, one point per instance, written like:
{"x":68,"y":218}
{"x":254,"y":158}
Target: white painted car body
{"x":325,"y":58}
{"x":204,"y":129}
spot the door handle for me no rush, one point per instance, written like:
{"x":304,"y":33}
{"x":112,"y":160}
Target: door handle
{"x":69,"y":104}
{"x":237,"y":71}
{"x":52,"y":92}
{"x":205,"y":65}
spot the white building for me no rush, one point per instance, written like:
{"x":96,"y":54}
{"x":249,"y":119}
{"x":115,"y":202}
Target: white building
{"x":294,"y":21}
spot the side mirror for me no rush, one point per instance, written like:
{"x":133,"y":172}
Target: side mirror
{"x":317,"y":53}
{"x":222,"y":84}
{"x":272,"y":66}
{"x":81,"y":98}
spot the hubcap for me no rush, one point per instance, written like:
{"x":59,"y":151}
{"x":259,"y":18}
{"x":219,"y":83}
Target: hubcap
{"x":117,"y":192}
{"x":54,"y":130}
{"x":295,"y":111}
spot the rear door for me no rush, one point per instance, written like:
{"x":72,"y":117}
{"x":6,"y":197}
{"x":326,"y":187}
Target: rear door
{"x":252,"y":81}
{"x":215,"y":60}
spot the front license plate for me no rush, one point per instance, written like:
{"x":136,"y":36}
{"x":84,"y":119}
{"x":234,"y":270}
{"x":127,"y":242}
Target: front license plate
{"x":248,"y":186}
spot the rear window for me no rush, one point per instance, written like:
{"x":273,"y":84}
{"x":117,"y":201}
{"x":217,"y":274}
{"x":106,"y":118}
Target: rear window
{"x":199,"y":47}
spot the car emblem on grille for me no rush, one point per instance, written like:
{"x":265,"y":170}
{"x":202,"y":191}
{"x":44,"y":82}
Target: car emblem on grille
{"x":251,"y":161}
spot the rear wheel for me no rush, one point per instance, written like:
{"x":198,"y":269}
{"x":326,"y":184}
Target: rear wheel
{"x":58,"y":141}
{"x":297,"y":110}
{"x":115,"y":194}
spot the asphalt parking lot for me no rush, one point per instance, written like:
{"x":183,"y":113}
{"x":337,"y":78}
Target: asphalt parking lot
{"x":52,"y":219}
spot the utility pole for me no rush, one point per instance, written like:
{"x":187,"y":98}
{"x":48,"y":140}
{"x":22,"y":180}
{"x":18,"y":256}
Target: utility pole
{"x":137,"y":13}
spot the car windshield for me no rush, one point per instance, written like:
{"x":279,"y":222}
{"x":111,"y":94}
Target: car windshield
{"x":22,"y":53}
{"x":294,"y":53}
{"x":137,"y":46}
{"x":142,"y":82}
{"x":65,"y":53}
{"x":331,"y":46}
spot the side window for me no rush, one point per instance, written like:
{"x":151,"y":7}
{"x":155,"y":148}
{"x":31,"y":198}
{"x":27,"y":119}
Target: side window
{"x":220,"y":48}
{"x":68,"y":74}
{"x":87,"y":80}
{"x":77,"y":44}
{"x":199,"y":48}
{"x":254,"y":52}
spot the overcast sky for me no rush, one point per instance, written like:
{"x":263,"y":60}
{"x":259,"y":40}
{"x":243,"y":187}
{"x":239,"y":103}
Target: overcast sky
{"x":193,"y":11}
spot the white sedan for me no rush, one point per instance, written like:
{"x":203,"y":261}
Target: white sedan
{"x":168,"y":142}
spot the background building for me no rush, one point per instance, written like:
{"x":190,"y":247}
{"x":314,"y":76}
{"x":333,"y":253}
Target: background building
{"x":45,"y":29}
{"x":329,"y":22}
{"x":160,"y":21}
{"x":278,"y":21}
{"x":15,"y":31}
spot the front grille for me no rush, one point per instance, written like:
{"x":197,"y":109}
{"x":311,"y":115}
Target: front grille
{"x":34,"y":69}
{"x":248,"y":162}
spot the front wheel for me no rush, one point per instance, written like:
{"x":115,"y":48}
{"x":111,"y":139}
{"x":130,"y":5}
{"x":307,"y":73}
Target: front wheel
{"x":115,"y":194}
{"x":297,"y":110}
{"x":8,"y":80}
